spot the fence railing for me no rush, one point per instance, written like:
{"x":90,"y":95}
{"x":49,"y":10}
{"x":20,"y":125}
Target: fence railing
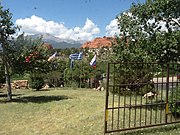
{"x":140,"y":95}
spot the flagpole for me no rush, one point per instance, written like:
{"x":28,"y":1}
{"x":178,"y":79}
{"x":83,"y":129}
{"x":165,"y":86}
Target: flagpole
{"x":93,"y":65}
{"x":74,"y":57}
{"x":80,"y":76}
{"x":72,"y":76}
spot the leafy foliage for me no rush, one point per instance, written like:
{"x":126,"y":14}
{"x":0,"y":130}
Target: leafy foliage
{"x":153,"y":27}
{"x":149,"y":32}
{"x":133,"y":78}
{"x":2,"y":75}
{"x":175,"y":101}
{"x":36,"y":81}
{"x":29,"y":56}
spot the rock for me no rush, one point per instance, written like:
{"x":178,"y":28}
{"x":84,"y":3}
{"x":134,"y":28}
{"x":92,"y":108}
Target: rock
{"x":46,"y":86}
{"x":102,"y":88}
{"x":47,"y":46}
{"x":150,"y":95}
{"x":99,"y":42}
{"x":98,"y":88}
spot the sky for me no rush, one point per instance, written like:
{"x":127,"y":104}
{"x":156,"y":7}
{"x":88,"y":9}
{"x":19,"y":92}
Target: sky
{"x":68,"y":19}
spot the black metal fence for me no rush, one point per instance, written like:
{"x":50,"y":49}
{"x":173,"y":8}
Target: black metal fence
{"x":140,"y":95}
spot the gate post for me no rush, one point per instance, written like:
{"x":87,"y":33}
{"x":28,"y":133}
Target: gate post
{"x":167,"y":93}
{"x":107,"y":94}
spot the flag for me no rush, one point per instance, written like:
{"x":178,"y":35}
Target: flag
{"x":53,"y":56}
{"x":93,"y":62}
{"x":80,"y":56}
{"x":76,"y":56}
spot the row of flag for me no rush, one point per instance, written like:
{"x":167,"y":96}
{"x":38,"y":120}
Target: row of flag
{"x":76,"y":56}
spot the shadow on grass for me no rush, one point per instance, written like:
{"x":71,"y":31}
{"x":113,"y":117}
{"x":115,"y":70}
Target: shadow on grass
{"x":36,"y":99}
{"x":5,"y":95}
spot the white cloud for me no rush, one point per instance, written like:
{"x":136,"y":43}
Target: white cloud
{"x":36,"y":25}
{"x":112,"y":28}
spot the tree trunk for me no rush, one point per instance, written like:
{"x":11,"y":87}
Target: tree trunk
{"x":6,"y":70}
{"x":8,"y":82}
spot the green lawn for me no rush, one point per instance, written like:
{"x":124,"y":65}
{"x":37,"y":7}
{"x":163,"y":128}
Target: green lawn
{"x":59,"y":112}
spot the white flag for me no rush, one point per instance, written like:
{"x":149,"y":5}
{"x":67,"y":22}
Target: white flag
{"x":93,"y":61}
{"x":53,"y":56}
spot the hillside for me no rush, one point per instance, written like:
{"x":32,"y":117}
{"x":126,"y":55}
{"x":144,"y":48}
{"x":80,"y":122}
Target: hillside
{"x":57,"y":42}
{"x":61,"y":43}
{"x":99,"y":42}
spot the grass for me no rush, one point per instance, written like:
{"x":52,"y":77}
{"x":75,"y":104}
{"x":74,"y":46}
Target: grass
{"x":53,"y":112}
{"x":60,"y":112}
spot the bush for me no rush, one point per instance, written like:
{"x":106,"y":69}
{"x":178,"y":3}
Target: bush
{"x":54,"y":78}
{"x":132,"y":79}
{"x":2,"y":75}
{"x":175,"y":102}
{"x":74,"y":85}
{"x":36,"y":81}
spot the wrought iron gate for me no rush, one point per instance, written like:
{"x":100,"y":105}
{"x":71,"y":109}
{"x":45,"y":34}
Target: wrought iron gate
{"x":140,"y":95}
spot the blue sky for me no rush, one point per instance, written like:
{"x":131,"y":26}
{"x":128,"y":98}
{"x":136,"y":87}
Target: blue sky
{"x":68,"y":19}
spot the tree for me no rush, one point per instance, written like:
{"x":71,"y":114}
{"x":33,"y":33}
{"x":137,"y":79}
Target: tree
{"x":29,"y":55}
{"x":154,"y":26}
{"x":148,"y":32}
{"x":6,"y":30}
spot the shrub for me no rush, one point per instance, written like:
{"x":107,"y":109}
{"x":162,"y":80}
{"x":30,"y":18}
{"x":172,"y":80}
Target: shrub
{"x":54,"y":78}
{"x":36,"y":81}
{"x":74,"y":85}
{"x":2,"y":75}
{"x":132,"y":79}
{"x":175,"y":102}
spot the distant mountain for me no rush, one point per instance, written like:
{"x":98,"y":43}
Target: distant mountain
{"x":57,"y":42}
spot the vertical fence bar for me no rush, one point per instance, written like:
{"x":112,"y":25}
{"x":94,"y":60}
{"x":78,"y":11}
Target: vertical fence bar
{"x":172,"y":90}
{"x":107,"y":95}
{"x":135,"y":109}
{"x":112,"y":124}
{"x":135,"y":98}
{"x":146,"y":108}
{"x":176,"y":99}
{"x":151,"y":106}
{"x":156,"y":89}
{"x":124,"y":114}
{"x":130,"y":110}
{"x":140,"y":121}
{"x":161,"y":84}
{"x":167,"y":93}
{"x":119,"y":101}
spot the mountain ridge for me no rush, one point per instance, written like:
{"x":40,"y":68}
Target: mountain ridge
{"x":57,"y":42}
